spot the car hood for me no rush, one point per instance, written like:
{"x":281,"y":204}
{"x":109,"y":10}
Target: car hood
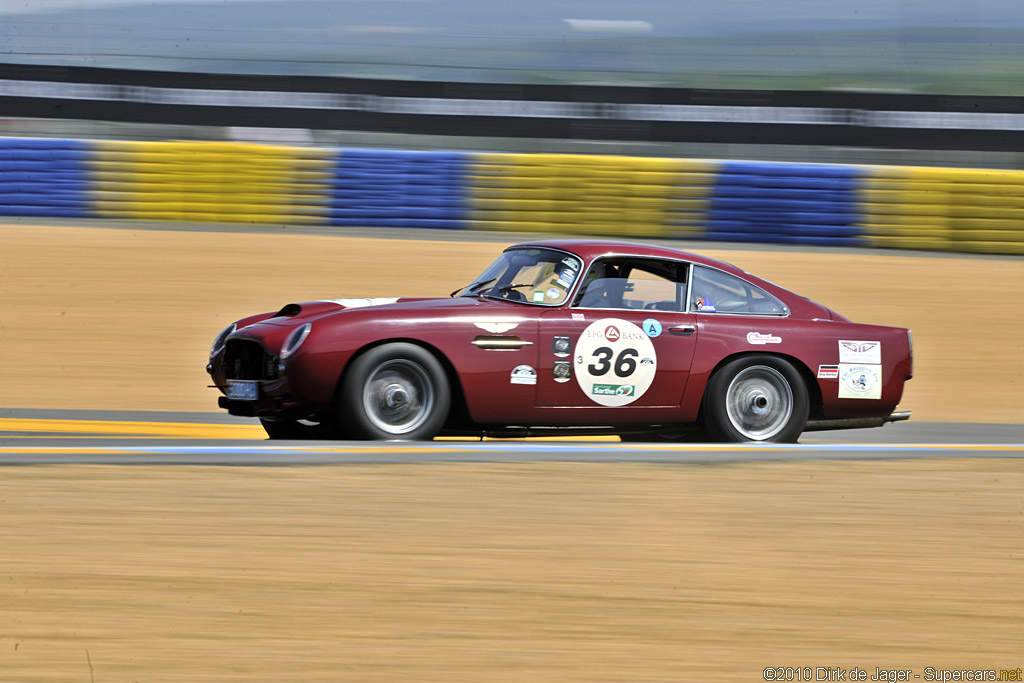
{"x":295,"y":313}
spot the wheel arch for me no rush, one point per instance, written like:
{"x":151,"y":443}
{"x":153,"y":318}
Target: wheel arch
{"x":813,"y":389}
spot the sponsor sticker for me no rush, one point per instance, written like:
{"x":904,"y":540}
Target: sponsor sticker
{"x":497,"y":326}
{"x":614,"y":362}
{"x":571,"y":262}
{"x":613,"y":390}
{"x":523,"y":374}
{"x":860,"y":381}
{"x":652,"y":327}
{"x":561,"y":371}
{"x":553,"y":292}
{"x":538,"y":297}
{"x":864,"y":352}
{"x":705,"y":306}
{"x":828,"y":372}
{"x":561,"y":345}
{"x":758,"y":338}
{"x":578,"y":316}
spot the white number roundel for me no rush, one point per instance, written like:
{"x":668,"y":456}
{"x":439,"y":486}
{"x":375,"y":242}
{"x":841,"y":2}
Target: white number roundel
{"x":615,"y":362}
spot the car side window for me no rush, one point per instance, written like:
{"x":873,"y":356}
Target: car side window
{"x":717,"y":292}
{"x":634,"y":284}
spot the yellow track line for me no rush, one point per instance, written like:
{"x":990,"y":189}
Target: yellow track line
{"x":178,"y":430}
{"x":183,"y":430}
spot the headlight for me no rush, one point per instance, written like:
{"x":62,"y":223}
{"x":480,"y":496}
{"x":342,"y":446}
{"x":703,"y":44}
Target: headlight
{"x":221,"y":339}
{"x":295,"y":339}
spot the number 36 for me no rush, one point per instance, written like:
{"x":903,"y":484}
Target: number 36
{"x":625,"y":363}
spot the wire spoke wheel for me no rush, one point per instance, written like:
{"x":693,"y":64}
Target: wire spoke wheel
{"x":756,"y":398}
{"x":394,"y":391}
{"x":759,"y":402}
{"x":398,"y":396}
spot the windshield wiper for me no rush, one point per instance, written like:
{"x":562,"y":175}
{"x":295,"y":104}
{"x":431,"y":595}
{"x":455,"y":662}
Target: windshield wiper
{"x":504,"y":290}
{"x":469,"y":289}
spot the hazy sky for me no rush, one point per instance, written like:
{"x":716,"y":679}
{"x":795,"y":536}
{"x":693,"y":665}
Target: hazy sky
{"x":664,"y":15}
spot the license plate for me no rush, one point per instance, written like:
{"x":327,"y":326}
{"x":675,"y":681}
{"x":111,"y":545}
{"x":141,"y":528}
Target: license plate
{"x":243,"y":390}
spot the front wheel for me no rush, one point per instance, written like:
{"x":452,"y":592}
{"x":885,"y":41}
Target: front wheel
{"x":756,"y":398}
{"x":394,"y":391}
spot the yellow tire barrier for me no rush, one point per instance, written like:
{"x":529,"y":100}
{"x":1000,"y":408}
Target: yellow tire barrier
{"x":211,"y":181}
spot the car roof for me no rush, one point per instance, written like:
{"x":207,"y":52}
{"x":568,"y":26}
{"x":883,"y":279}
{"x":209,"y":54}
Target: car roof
{"x":589,"y":249}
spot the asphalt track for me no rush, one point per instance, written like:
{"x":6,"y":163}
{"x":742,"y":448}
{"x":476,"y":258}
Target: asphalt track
{"x":44,"y":437}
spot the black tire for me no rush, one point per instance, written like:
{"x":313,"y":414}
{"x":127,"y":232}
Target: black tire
{"x":316,"y":427}
{"x":394,"y":391}
{"x":756,"y":398}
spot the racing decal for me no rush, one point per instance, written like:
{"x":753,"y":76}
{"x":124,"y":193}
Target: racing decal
{"x":553,"y":292}
{"x":561,"y":346}
{"x":566,"y":278}
{"x":571,"y":262}
{"x":758,"y":338}
{"x":363,"y":303}
{"x":652,"y":327}
{"x":610,"y":362}
{"x":828,"y":372}
{"x":538,"y":297}
{"x":496,"y":326}
{"x":561,"y":371}
{"x":578,"y":316}
{"x":866,"y":352}
{"x":705,"y":306}
{"x":859,"y":381}
{"x":523,"y":374}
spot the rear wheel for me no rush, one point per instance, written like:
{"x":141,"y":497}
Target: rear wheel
{"x":756,"y":398}
{"x":395,"y":391}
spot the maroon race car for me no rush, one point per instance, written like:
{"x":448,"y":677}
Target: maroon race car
{"x":567,"y":336}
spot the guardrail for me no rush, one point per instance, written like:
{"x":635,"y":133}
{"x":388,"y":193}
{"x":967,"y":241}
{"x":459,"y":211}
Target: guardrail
{"x":791,"y":203}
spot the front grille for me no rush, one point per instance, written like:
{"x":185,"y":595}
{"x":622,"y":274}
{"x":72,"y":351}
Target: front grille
{"x":245,"y":359}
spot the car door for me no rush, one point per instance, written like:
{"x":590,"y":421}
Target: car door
{"x":625,"y":343}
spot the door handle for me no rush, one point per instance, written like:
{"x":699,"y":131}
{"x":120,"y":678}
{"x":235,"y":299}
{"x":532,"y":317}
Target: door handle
{"x":684,"y":330}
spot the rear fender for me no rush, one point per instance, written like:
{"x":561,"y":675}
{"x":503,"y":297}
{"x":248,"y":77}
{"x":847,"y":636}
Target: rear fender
{"x":697,"y":385}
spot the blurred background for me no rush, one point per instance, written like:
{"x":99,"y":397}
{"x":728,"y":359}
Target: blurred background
{"x":169,"y":167}
{"x":965,"y":48}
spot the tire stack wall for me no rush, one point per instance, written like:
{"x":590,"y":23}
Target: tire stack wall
{"x":223,"y":182}
{"x":591,"y":195}
{"x":812,"y":204}
{"x":616,"y":196}
{"x":392,"y":188}
{"x":945,"y":209}
{"x":44,"y":177}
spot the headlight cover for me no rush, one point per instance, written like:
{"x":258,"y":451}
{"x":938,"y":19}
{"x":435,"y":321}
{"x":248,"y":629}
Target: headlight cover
{"x":295,"y":339}
{"x":221,"y":339}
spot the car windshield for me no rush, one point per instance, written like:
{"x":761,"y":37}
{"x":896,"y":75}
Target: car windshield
{"x":528,"y":275}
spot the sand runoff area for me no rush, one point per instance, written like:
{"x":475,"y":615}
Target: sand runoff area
{"x":486,"y":572}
